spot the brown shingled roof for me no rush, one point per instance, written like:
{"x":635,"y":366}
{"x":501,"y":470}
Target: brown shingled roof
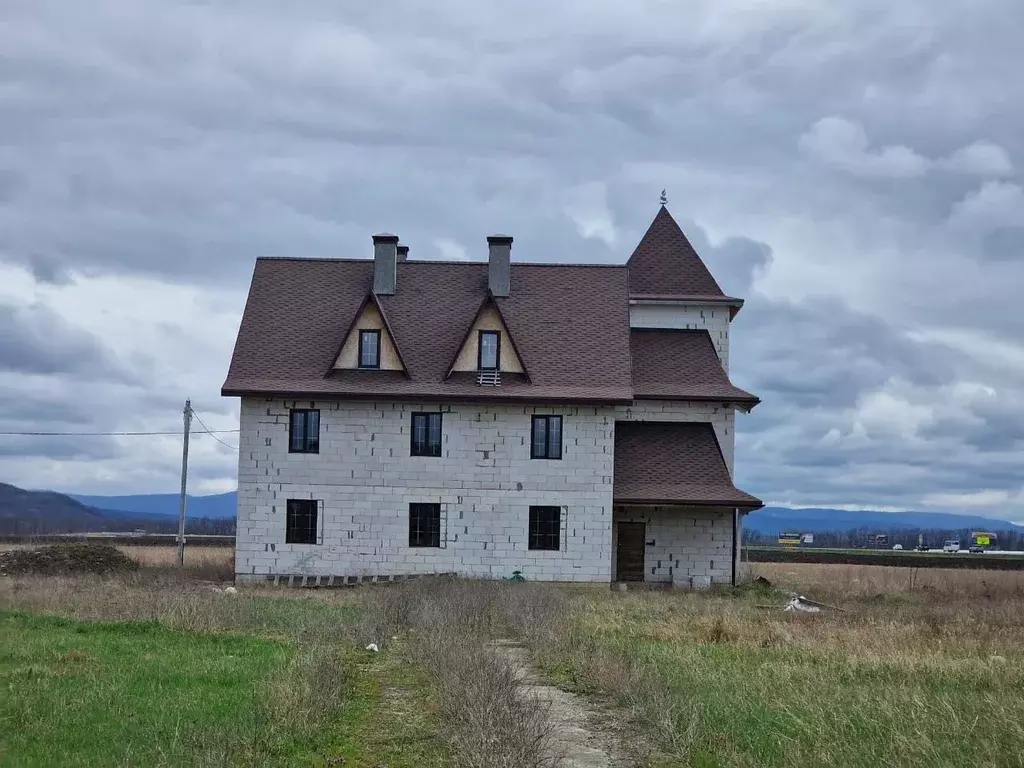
{"x":569,"y":324}
{"x":298,"y":311}
{"x":664,"y":264}
{"x":677,"y":463}
{"x":678,"y":365}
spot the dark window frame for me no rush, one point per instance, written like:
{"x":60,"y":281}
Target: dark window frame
{"x":480,"y":351}
{"x":549,"y":448}
{"x":307,"y":443}
{"x":302,"y":518}
{"x":544,"y":533}
{"x":427,"y":449}
{"x":375,"y":332}
{"x":425,"y":525}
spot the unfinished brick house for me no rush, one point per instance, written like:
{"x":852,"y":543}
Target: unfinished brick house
{"x":571,"y":422}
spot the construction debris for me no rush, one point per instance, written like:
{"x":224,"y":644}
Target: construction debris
{"x":801,"y":603}
{"x":60,"y":559}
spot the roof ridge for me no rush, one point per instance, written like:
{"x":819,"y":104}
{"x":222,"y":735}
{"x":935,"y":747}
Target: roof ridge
{"x":369,"y":260}
{"x":391,"y":333}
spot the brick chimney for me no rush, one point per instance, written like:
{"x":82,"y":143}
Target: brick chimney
{"x":499,"y":264}
{"x":403,"y":252}
{"x":385,"y":257}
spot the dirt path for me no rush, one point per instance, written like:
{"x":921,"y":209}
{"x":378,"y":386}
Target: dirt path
{"x":578,"y":742}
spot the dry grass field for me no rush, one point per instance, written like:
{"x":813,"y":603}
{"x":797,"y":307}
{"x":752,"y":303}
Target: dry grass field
{"x":865,"y":581}
{"x":916,"y":669}
{"x":195,"y":557}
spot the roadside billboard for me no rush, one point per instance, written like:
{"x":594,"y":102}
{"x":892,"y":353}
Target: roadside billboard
{"x":983,"y":539}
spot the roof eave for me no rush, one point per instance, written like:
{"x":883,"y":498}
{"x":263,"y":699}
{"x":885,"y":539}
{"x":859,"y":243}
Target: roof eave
{"x":751,"y":504}
{"x":735,"y":304}
{"x":232,"y":391}
{"x":746,"y":403}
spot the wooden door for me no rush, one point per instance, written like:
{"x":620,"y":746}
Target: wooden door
{"x":629,"y":551}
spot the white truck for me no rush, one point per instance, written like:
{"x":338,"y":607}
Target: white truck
{"x":952,"y":546}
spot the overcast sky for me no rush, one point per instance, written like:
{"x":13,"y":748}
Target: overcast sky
{"x":853,"y":169}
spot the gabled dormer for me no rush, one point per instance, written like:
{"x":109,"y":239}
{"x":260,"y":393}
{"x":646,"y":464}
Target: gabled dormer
{"x":488,"y":349}
{"x":369,"y":344}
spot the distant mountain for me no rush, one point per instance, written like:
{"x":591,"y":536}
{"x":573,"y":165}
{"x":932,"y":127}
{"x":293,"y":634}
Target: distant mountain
{"x":774,"y":520}
{"x":159,"y":510}
{"x":219,"y":506}
{"x":28,"y":512}
{"x":24,"y":512}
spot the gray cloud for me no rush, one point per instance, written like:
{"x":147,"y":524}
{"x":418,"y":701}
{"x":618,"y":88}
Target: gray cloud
{"x":844,"y":144}
{"x":141,"y":174}
{"x":36,"y":340}
{"x":61,"y":448}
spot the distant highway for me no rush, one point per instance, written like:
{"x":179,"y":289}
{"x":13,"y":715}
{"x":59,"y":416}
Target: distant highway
{"x":999,"y":560}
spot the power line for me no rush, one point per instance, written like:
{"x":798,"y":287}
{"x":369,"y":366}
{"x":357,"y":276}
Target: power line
{"x":107,"y":434}
{"x":210,"y":432}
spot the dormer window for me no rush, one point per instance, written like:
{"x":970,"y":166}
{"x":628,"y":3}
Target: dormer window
{"x":369,"y":348}
{"x":489,"y":356}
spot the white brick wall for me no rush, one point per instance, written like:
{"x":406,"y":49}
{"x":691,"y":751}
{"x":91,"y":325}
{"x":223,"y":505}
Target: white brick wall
{"x":713,"y":318}
{"x":484,"y":480}
{"x":366,"y":479}
{"x":683,"y":542}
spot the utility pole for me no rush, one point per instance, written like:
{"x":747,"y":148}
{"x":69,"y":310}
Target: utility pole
{"x":184,"y":479}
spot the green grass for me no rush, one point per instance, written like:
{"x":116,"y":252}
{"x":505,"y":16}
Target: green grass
{"x":84,"y":693}
{"x":138,"y":693}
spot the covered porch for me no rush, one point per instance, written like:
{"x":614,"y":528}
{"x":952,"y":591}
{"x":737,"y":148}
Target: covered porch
{"x":677,"y":517}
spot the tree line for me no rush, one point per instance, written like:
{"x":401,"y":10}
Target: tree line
{"x":44,"y":524}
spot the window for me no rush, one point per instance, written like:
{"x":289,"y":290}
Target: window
{"x":304,"y":431}
{"x":369,"y":349}
{"x":489,"y":352}
{"x":300,"y":526}
{"x":424,"y":525}
{"x":545,"y":526}
{"x":546,"y":437}
{"x":426,"y":434}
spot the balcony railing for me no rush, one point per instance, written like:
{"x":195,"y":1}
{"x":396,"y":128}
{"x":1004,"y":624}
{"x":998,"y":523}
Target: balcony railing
{"x":489,"y":378}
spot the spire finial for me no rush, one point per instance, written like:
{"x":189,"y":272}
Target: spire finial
{"x":664,"y":198}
